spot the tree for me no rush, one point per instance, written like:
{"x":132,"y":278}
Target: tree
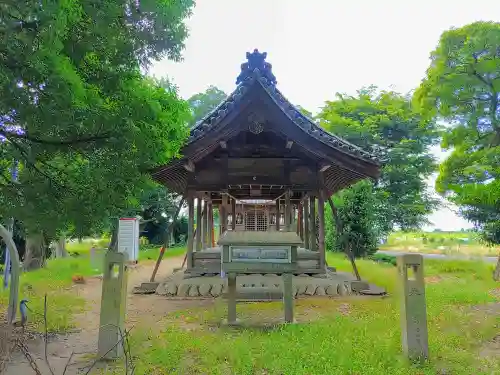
{"x":462,"y":87}
{"x":356,"y":211}
{"x":203,"y":103}
{"x":76,"y":113}
{"x":385,"y":124}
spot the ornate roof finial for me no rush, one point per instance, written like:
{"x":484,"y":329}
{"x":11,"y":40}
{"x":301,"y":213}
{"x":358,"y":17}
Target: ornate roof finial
{"x":256,"y":60}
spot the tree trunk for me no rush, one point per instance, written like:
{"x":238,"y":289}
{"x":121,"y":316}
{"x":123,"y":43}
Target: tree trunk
{"x":15,"y":272}
{"x":34,"y":257}
{"x":60,"y":247}
{"x":496,"y":273}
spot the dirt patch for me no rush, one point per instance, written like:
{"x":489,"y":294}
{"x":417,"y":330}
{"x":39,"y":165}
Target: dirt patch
{"x":433,"y":279}
{"x":142,"y":310}
{"x":491,"y":349}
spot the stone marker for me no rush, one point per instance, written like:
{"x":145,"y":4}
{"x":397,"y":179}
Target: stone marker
{"x":288,"y":297}
{"x":231,"y":298}
{"x":413,"y":309}
{"x":113,"y":305}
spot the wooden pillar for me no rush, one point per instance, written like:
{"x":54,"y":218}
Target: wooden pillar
{"x":199,"y":224}
{"x":231,"y":298}
{"x":288,"y":297}
{"x":206,"y":229}
{"x":223,"y":215}
{"x":233,"y":213}
{"x":278,"y":215}
{"x":300,"y":221}
{"x":190,"y":239}
{"x":306,"y":223}
{"x":321,"y":218}
{"x":211,"y":224}
{"x":288,"y":212}
{"x":312,"y":223}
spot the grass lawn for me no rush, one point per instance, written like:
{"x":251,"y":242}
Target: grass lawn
{"x":55,"y":280}
{"x":336,"y":336}
{"x":451,"y":243}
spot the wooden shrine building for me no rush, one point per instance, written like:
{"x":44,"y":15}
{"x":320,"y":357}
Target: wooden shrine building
{"x":256,"y":145}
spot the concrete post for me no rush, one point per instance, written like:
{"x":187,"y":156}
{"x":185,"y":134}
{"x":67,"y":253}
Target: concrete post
{"x":113,"y":305}
{"x":231,"y":298}
{"x":288,"y":297}
{"x":413,"y":309}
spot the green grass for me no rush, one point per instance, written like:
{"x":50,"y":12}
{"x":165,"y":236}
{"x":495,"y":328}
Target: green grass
{"x":364,"y":340}
{"x":452,"y":243}
{"x":80,"y":248}
{"x":55,"y":281}
{"x":151,"y":253}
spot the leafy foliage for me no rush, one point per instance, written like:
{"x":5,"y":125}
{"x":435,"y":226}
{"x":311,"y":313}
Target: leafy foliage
{"x":203,"y":103}
{"x":77,"y":114}
{"x":385,"y":124}
{"x":462,"y":87}
{"x":356,"y":210}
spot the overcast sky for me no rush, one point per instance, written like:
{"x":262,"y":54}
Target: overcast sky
{"x":320,"y":47}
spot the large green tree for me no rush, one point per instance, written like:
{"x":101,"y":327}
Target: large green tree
{"x":385,"y":124}
{"x":78,"y":117}
{"x":203,"y":103}
{"x":462,"y":88}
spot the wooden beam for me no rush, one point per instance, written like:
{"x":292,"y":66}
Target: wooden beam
{"x":321,"y":234}
{"x":324,"y":167}
{"x":312,"y":223}
{"x":233,"y":213}
{"x":190,"y":241}
{"x":306,"y":224}
{"x":278,"y":215}
{"x":199,"y":224}
{"x":288,"y":213}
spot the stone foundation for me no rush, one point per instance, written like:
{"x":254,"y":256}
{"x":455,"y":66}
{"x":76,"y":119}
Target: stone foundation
{"x":263,"y":286}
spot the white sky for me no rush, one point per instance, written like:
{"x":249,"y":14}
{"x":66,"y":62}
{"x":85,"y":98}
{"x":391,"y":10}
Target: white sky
{"x":320,"y":47}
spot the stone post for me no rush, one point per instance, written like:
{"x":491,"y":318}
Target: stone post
{"x":113,"y":305}
{"x":413,"y":310}
{"x":231,"y":298}
{"x":288,"y":297}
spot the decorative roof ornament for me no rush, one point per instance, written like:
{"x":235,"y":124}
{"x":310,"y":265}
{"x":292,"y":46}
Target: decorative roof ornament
{"x":256,"y":60}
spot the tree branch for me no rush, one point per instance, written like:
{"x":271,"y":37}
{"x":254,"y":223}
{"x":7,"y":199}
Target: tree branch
{"x":55,"y":142}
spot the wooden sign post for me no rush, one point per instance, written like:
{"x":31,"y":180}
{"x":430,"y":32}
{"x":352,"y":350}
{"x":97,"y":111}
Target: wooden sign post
{"x":413,"y":309}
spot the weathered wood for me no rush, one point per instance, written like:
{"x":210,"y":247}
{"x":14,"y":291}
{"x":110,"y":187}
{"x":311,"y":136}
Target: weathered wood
{"x":233,"y":213}
{"x":278,"y":215}
{"x":199,"y":224}
{"x":413,"y":310}
{"x":306,"y":223}
{"x":211,"y":223}
{"x":190,"y":239}
{"x":288,"y":212}
{"x":300,"y":221}
{"x":321,"y":234}
{"x":312,"y":223}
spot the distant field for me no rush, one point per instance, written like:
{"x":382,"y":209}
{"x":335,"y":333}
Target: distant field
{"x":463,"y":243}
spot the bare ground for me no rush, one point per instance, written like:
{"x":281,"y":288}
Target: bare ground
{"x":142,"y":310}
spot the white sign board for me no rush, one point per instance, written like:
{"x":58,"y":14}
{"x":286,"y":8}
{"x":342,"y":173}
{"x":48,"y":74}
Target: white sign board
{"x":128,"y":238}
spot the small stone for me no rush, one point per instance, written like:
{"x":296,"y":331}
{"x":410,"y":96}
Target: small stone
{"x":204,"y":289}
{"x":310,"y":290}
{"x":183,"y":290}
{"x":172,"y":289}
{"x":320,"y":291}
{"x":193,"y":291}
{"x":332,"y":290}
{"x":216,"y":290}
